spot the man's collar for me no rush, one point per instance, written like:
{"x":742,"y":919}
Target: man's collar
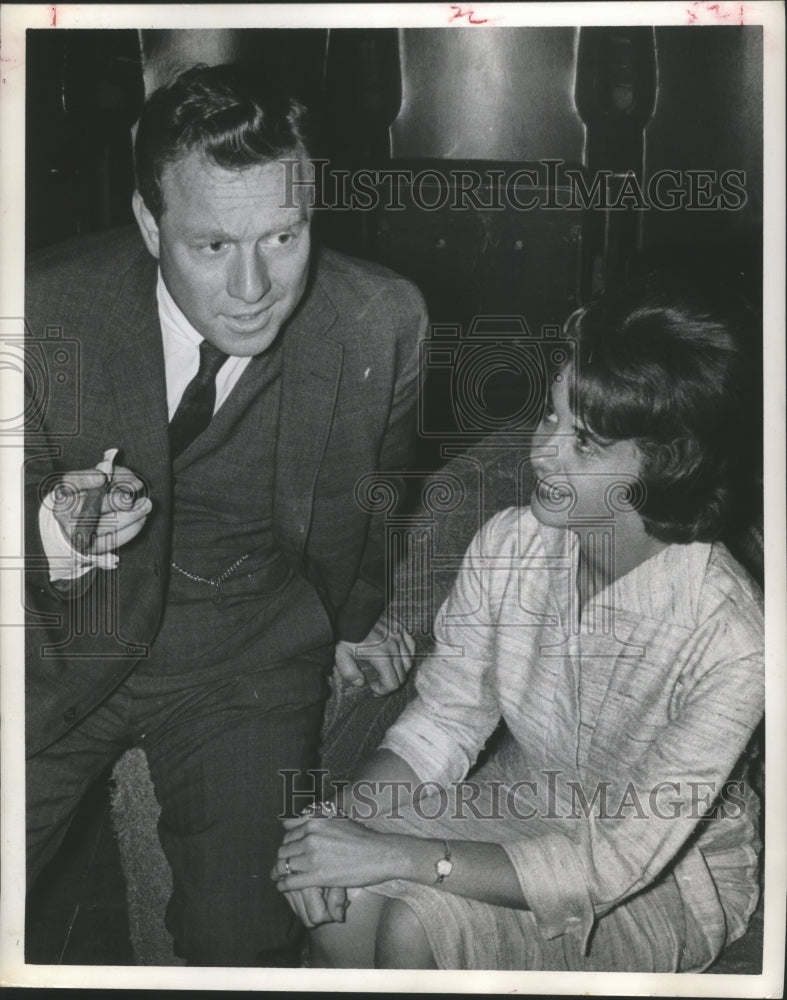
{"x":173,"y":322}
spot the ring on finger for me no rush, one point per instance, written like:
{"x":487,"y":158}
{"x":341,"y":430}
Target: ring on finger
{"x":287,"y":869}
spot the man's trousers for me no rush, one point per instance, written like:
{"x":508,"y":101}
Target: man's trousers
{"x":226,"y":706}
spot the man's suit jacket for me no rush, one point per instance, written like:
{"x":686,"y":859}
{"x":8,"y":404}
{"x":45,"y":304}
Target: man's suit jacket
{"x":96,"y":380}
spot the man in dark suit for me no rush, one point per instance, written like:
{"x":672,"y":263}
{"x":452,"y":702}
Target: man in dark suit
{"x":197,"y":555}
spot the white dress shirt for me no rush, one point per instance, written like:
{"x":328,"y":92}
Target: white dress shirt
{"x":181,"y":353}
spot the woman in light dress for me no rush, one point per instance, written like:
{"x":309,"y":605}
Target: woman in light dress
{"x":612,"y":827}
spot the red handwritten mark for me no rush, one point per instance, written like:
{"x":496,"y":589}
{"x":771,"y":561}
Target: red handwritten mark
{"x":467,"y":12}
{"x":53,"y":8}
{"x":716,"y":13}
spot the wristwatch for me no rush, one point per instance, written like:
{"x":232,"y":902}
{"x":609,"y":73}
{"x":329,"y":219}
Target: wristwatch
{"x":444,"y":866}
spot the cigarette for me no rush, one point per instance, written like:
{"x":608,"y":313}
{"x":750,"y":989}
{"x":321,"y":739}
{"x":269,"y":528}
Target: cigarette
{"x":107,"y":463}
{"x":90,"y":512}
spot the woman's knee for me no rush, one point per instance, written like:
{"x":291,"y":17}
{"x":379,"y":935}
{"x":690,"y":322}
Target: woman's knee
{"x":402,"y":941}
{"x":350,"y":944}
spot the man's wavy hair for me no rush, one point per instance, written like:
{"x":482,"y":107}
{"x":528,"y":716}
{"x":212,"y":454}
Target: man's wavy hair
{"x":232,"y":115}
{"x":676,"y":368}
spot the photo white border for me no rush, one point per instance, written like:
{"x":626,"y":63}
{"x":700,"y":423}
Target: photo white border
{"x":14,"y":19}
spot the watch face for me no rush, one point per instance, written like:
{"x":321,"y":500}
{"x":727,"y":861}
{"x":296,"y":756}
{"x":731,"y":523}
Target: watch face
{"x":444,"y":867}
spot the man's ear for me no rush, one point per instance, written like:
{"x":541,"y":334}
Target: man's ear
{"x":147,"y":224}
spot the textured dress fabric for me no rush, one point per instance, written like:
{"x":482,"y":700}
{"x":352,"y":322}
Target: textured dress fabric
{"x":615,"y":789}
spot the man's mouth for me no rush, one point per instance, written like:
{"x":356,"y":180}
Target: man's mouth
{"x":249,"y":322}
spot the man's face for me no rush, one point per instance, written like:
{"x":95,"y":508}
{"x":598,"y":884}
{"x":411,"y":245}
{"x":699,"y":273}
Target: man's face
{"x":582,"y":478}
{"x":234,"y":260}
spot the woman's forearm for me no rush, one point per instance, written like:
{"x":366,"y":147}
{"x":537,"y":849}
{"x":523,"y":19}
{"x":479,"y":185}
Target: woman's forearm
{"x":481,"y":871}
{"x":381,"y":781}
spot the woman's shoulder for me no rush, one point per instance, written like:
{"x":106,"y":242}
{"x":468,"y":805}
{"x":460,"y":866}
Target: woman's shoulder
{"x":730,"y":590}
{"x":515,"y":529}
{"x":715,"y":596}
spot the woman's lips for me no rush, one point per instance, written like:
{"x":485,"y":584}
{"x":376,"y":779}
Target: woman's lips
{"x":554,"y":491}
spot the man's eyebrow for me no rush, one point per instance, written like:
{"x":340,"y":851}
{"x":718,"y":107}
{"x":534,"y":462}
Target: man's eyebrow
{"x":287,"y":227}
{"x":221,"y":234}
{"x":209,"y":234}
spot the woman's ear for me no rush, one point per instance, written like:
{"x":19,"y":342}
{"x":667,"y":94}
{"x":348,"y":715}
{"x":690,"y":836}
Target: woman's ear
{"x":147,"y":224}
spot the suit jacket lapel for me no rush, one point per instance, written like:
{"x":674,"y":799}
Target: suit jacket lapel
{"x":311,"y":371}
{"x":135,"y":361}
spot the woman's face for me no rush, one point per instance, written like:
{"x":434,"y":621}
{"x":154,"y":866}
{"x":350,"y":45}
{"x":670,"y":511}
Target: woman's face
{"x":581,"y":479}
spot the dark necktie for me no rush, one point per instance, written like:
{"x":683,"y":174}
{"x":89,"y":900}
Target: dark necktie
{"x":195,"y":409}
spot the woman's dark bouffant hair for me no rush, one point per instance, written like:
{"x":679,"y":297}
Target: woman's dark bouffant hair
{"x":676,"y":368}
{"x":230,"y":113}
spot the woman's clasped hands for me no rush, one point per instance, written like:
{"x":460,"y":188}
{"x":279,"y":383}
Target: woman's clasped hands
{"x":323,"y":854}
